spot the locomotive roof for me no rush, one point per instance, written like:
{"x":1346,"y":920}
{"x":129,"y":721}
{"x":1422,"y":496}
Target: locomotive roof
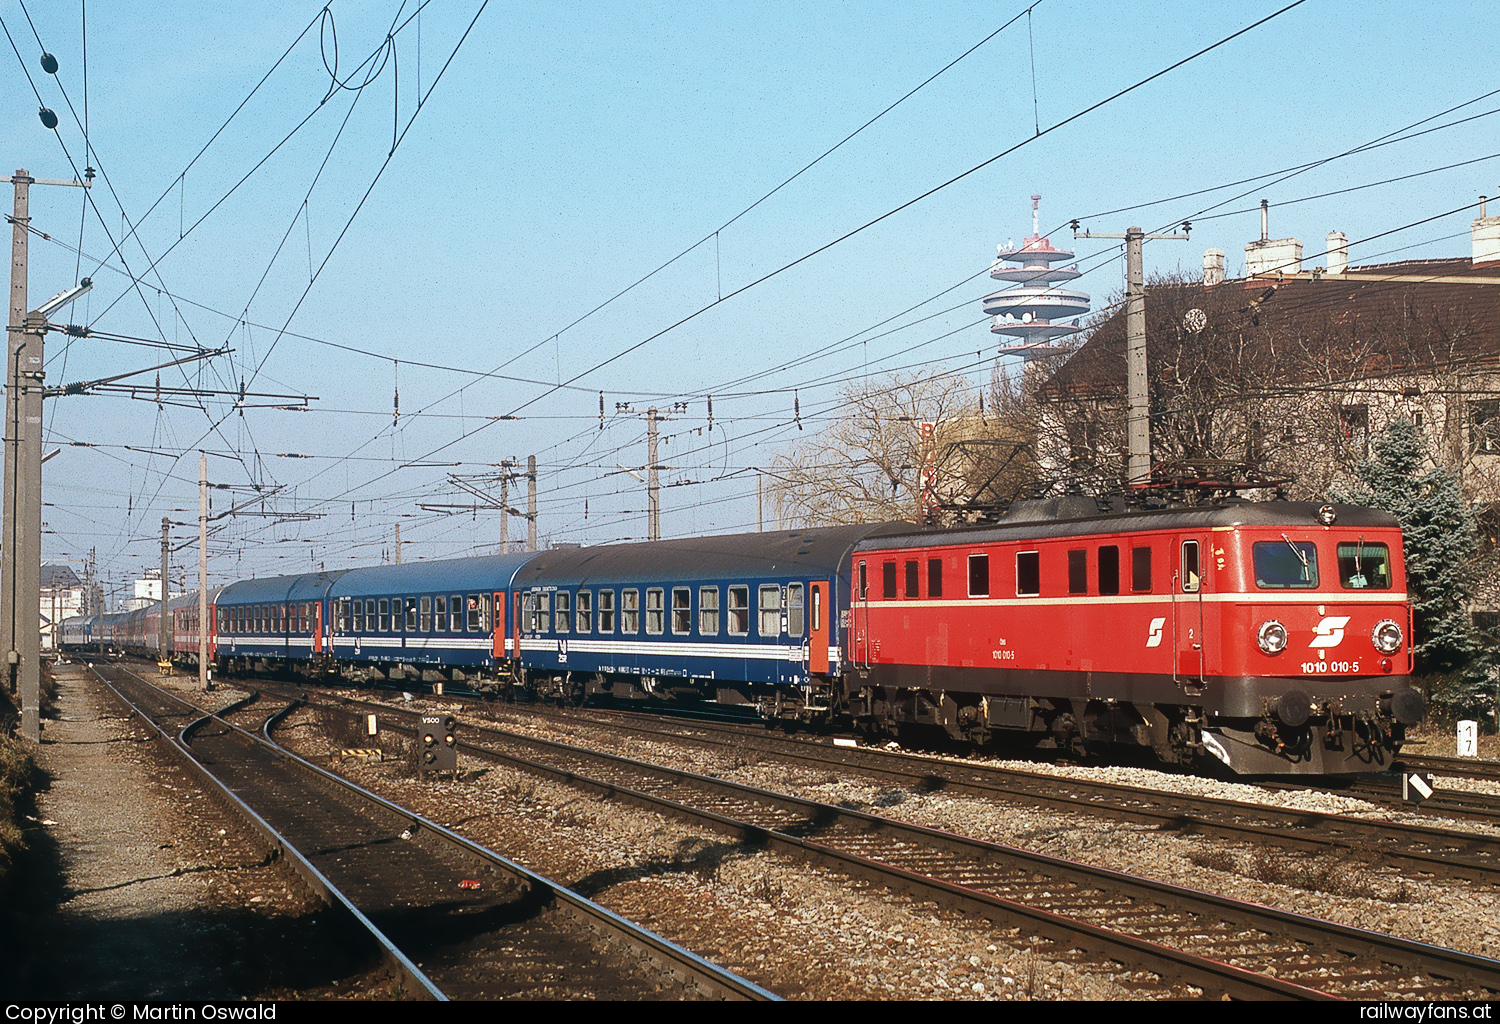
{"x":815,"y":551}
{"x":484,"y":572}
{"x":1058,"y":517}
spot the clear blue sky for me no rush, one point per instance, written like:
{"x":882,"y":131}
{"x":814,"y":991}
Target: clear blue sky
{"x":570,"y":149}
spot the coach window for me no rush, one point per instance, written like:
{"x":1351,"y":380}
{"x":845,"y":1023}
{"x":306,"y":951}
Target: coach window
{"x":369,"y":614}
{"x":864,"y":582}
{"x":359,"y":616}
{"x":655,"y":614}
{"x":564,"y":612}
{"x":584,"y":620}
{"x":1028,"y":573}
{"x":770,"y":605}
{"x":979,"y":575}
{"x":708,"y":611}
{"x":1109,"y":569}
{"x":1140,"y":570}
{"x":794,"y":603}
{"x":474,"y":618}
{"x":888,"y":580}
{"x":682,"y":610}
{"x":1364,"y":565}
{"x":385,"y":615}
{"x":544,"y":613}
{"x":411,"y":614}
{"x":630,"y":611}
{"x":440,"y":612}
{"x":934,"y":577}
{"x":606,"y":611}
{"x":913,"y":579}
{"x":342,"y":615}
{"x":528,"y":612}
{"x":1190,"y":571}
{"x":302,"y":614}
{"x":281,"y":618}
{"x":456,"y":613}
{"x":739,"y":610}
{"x":426,"y":615}
{"x":1078,"y":572}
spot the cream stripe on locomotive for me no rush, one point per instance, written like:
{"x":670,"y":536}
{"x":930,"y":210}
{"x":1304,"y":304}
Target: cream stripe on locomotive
{"x":1256,"y":597}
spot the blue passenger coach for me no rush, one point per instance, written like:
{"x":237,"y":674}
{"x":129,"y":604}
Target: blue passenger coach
{"x":748,"y":618}
{"x":448,"y":614}
{"x":277,"y":620}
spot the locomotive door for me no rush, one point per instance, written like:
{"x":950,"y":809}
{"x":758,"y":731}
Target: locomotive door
{"x":1187,"y":615}
{"x":817,"y":631}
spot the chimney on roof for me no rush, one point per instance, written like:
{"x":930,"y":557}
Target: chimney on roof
{"x":1270,"y":257}
{"x":1486,"y":233}
{"x":1213,"y":267}
{"x":1338,"y":252}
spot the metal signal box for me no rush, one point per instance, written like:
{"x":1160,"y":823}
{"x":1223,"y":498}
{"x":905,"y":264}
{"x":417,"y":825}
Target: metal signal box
{"x":437,"y":744}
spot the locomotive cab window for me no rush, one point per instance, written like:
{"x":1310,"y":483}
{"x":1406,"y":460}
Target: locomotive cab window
{"x":1028,"y":573}
{"x":979,"y":575}
{"x":1283,"y":564}
{"x":1364,"y":565}
{"x":1191,"y":574}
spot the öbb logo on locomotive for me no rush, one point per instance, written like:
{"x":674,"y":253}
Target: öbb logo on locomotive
{"x":1026,"y":630}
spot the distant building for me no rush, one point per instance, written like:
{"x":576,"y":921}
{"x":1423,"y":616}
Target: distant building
{"x":63,"y":596}
{"x":1038,"y":316}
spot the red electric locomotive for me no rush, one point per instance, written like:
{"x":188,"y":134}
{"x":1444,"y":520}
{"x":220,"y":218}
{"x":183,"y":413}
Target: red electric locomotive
{"x":1274,"y":637}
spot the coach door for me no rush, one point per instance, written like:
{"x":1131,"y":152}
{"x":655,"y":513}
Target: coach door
{"x":497,"y":628}
{"x":817,"y":627}
{"x":1187,"y":614}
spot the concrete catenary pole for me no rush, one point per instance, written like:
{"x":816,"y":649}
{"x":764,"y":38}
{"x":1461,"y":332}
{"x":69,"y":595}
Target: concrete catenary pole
{"x":531,"y":503}
{"x":204,"y":681}
{"x":15,"y":324}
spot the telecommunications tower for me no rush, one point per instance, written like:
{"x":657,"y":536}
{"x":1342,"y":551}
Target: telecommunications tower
{"x":1034,"y":311}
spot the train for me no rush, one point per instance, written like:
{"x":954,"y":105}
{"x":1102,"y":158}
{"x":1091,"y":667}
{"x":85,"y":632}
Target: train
{"x":1264,"y":638}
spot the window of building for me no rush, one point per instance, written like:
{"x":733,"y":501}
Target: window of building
{"x":682,"y":610}
{"x":1028,"y":573}
{"x":1354,"y":430}
{"x":708,"y":611}
{"x":1484,"y":426}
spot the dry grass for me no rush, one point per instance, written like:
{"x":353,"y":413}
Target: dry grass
{"x":1311,"y":873}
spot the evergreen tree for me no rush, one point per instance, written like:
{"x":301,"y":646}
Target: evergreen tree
{"x":1440,"y":534}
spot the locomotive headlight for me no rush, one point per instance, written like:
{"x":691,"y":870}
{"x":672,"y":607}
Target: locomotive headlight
{"x":1387,"y":636}
{"x":1271,"y":637}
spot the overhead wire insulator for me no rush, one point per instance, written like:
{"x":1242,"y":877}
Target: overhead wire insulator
{"x":797,"y":409}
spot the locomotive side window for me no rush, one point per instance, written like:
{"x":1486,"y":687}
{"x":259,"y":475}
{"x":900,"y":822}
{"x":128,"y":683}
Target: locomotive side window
{"x":1140,"y":570}
{"x":655,"y":618}
{"x":794,"y":608}
{"x":1109,"y":569}
{"x":912,"y":578}
{"x":585,"y":619}
{"x":441,"y":613}
{"x":739,"y":610}
{"x":1281,"y":564}
{"x":1364,"y":565}
{"x":606,"y":611}
{"x":770,"y":605}
{"x":682,"y":610}
{"x":708,"y":611}
{"x":979,"y":575}
{"x":888,"y":579}
{"x":1078,"y":572}
{"x":1028,"y":573}
{"x":564,"y":611}
{"x":1190,"y":570}
{"x":630,"y":611}
{"x":934,"y":577}
{"x":426,"y":615}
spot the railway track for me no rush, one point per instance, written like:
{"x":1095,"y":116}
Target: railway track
{"x":409,"y":884}
{"x":1163,"y":938}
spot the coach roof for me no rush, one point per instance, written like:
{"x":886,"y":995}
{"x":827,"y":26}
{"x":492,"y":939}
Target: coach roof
{"x":482,"y":573}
